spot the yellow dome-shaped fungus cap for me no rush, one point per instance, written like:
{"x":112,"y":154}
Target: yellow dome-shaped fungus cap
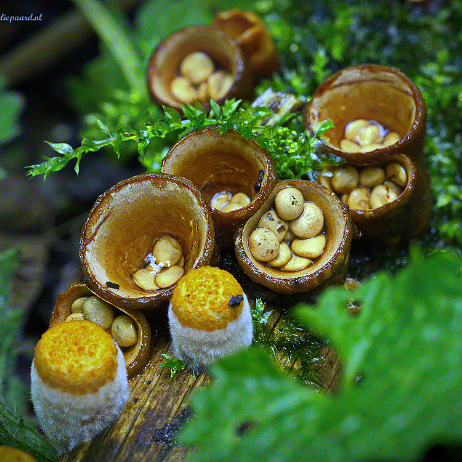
{"x":8,"y":454}
{"x":76,"y":356}
{"x":207,"y":298}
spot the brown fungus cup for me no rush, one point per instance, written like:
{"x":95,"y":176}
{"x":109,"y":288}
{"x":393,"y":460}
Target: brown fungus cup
{"x":225,"y":164}
{"x":378,"y":113}
{"x":123,"y":227}
{"x":198,"y":63}
{"x":381,"y":94}
{"x":137,"y":355}
{"x":404,"y":215}
{"x":328,"y":268}
{"x":252,"y":35}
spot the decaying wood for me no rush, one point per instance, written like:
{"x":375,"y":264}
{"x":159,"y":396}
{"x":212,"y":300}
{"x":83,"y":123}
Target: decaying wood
{"x":330,"y":370}
{"x":158,"y":406}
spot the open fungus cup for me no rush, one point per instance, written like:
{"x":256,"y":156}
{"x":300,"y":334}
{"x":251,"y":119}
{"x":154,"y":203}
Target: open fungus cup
{"x":251,"y":34}
{"x":165,"y":61}
{"x":216,"y":162}
{"x":126,"y":221}
{"x":372,"y":92}
{"x":329,"y":268}
{"x":385,"y":97}
{"x":136,"y":356}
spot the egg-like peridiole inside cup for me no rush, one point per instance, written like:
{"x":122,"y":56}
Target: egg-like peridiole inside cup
{"x":405,"y":217}
{"x":337,"y":228}
{"x":217,"y":163}
{"x":126,"y":221}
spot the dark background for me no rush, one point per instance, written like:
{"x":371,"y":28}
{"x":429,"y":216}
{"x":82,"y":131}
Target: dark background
{"x":43,"y":219}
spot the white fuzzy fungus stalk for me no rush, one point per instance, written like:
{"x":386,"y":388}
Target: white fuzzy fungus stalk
{"x":79,"y":382}
{"x":209,"y":317}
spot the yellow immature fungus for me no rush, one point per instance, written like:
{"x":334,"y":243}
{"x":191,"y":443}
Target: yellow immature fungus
{"x":8,"y":454}
{"x":209,"y":317}
{"x":201,"y":299}
{"x":79,"y":382}
{"x":77,"y":360}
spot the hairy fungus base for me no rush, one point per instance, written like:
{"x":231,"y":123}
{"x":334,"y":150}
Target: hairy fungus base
{"x":209,"y":317}
{"x":200,"y":348}
{"x":75,"y":396}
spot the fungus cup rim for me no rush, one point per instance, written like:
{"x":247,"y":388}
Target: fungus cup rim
{"x":136,"y":356}
{"x":159,"y":186}
{"x":323,"y":268}
{"x":403,"y":144}
{"x":174,"y":44}
{"x":226,"y":223}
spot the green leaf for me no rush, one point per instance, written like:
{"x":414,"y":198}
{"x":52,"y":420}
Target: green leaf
{"x":255,"y":415}
{"x":103,"y":127}
{"x":172,"y":115}
{"x":193,"y":113}
{"x":322,"y":127}
{"x":61,"y":148}
{"x":15,"y":429}
{"x":112,"y":30}
{"x":399,"y":394}
{"x":173,"y":363}
{"x":215,"y":109}
{"x":11,"y":106}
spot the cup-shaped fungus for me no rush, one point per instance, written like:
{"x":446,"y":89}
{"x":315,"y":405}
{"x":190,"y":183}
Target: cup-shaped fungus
{"x":288,"y":254}
{"x":198,"y":63}
{"x":129,"y":328}
{"x":378,"y":114}
{"x":251,"y":34}
{"x":209,"y":317}
{"x":376,"y":111}
{"x":79,"y":382}
{"x":233,"y":174}
{"x":388,"y":202}
{"x":122,"y":260}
